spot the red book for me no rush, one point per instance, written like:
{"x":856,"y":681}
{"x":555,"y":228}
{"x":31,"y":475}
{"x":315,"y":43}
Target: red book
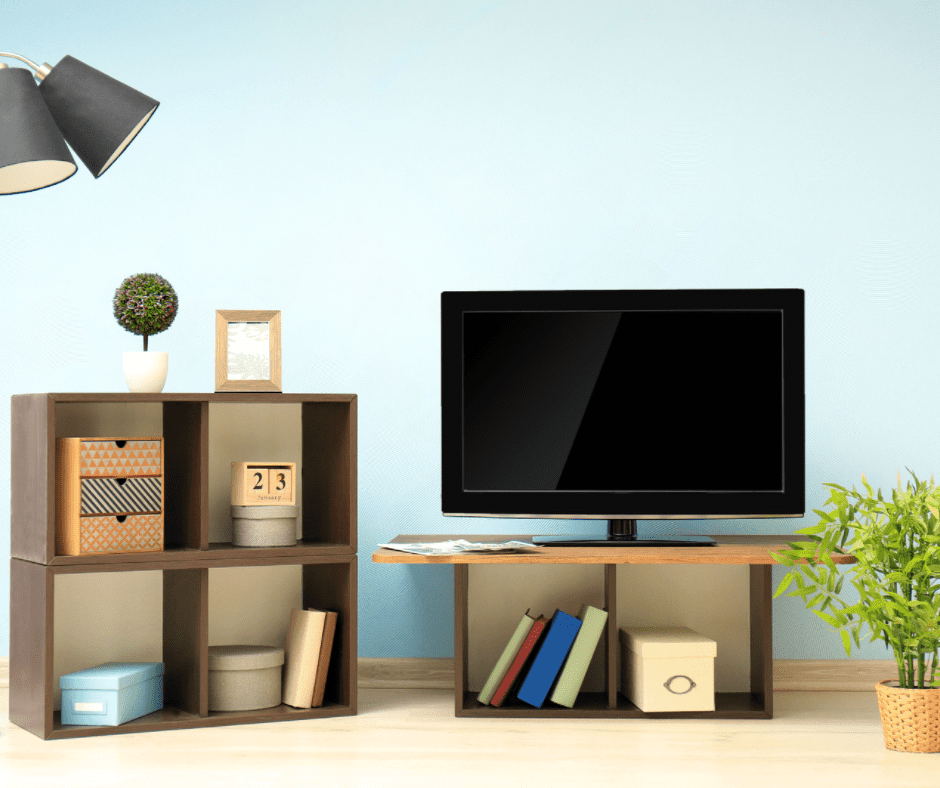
{"x":515,"y":669}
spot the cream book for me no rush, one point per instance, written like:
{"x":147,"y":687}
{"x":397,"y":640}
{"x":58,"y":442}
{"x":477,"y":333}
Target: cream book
{"x":301,"y":656}
{"x":323,"y":665}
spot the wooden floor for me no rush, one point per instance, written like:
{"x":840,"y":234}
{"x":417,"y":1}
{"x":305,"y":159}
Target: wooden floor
{"x":411,"y":738}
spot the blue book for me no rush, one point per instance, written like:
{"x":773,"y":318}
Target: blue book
{"x":555,"y":647}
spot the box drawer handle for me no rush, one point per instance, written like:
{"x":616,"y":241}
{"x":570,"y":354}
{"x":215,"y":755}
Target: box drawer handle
{"x":682,"y":681}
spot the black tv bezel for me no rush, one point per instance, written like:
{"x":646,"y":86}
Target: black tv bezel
{"x":456,"y":501}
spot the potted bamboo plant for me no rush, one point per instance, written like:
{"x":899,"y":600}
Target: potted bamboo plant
{"x":145,"y":304}
{"x":895,"y":593}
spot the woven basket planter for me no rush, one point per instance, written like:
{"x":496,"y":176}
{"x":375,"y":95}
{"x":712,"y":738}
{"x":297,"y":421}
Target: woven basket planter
{"x":910,"y":718}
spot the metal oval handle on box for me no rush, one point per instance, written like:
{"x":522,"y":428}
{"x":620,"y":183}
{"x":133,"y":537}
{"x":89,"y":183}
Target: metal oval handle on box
{"x":668,"y":685}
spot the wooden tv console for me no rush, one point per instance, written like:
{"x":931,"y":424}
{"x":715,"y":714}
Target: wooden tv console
{"x":753,"y":551}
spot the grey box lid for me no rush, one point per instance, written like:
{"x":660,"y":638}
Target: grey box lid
{"x":111,"y":675}
{"x":245,"y":657}
{"x":264,"y":512}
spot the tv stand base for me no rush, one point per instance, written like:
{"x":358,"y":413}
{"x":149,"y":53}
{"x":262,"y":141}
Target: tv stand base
{"x":620,"y":533}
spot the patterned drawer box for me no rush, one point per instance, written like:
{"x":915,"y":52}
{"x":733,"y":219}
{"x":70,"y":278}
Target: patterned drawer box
{"x":132,"y":533}
{"x":140,"y":495}
{"x":109,"y":495}
{"x":117,"y":456}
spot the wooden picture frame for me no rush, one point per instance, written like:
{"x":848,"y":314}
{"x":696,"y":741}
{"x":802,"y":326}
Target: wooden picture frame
{"x":247,"y":350}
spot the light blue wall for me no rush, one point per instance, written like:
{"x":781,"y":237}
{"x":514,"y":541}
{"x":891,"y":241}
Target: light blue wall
{"x":345,"y":162}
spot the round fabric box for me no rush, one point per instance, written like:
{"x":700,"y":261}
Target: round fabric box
{"x":242,"y":678}
{"x":264,"y":526}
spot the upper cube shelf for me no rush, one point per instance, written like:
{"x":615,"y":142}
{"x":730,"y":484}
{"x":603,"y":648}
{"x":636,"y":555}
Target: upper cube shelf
{"x":202,"y":435}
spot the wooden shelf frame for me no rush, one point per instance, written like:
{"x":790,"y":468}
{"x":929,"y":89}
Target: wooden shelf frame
{"x":753,"y":551}
{"x":328,"y":427}
{"x":326,"y":554}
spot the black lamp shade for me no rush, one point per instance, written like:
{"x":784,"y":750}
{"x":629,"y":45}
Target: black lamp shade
{"x":98,"y":115}
{"x":33,"y":154}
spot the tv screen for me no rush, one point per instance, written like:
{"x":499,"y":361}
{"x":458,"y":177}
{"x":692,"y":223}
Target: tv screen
{"x":626,"y":404}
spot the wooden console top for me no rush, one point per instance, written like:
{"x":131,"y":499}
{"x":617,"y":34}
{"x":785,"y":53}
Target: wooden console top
{"x":729,"y":550}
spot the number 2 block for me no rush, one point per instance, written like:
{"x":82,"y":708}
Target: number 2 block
{"x":263,"y":483}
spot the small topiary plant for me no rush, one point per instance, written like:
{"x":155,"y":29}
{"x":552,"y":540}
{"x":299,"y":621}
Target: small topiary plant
{"x":145,"y":304}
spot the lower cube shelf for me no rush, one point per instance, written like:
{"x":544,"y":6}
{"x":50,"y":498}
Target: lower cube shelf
{"x":325,"y":582}
{"x":611,"y":703}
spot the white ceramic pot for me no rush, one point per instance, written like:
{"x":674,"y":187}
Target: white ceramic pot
{"x":145,"y":370}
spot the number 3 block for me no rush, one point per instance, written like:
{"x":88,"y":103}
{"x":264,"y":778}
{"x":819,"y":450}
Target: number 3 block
{"x":263,"y":483}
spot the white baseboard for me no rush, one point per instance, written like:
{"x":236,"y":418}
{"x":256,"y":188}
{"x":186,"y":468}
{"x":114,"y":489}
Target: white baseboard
{"x":800,"y":675}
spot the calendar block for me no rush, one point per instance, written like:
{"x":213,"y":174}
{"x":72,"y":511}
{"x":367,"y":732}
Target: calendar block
{"x":263,"y":483}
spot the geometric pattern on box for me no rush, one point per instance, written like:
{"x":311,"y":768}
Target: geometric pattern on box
{"x":103,"y":479}
{"x":139,"y":533}
{"x":121,"y":496}
{"x":110,"y":458}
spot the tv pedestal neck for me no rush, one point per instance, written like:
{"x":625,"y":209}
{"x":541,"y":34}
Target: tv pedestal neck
{"x":620,"y":533}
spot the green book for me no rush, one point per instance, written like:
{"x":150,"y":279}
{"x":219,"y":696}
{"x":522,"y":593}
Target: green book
{"x":572,"y":674}
{"x":505,"y":660}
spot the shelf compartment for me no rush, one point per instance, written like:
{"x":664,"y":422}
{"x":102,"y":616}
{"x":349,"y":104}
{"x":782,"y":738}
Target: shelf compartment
{"x":327,"y":460}
{"x":321,"y":584}
{"x":137,"y":615}
{"x":756,"y":704}
{"x":325,"y":582}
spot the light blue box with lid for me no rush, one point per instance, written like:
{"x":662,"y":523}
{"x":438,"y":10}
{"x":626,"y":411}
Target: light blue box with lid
{"x":112,"y":693}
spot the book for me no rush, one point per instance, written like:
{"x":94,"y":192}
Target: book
{"x":519,"y":661}
{"x":301,"y":656}
{"x":575,"y":668}
{"x":551,"y":654}
{"x":505,"y":660}
{"x":323,"y":664}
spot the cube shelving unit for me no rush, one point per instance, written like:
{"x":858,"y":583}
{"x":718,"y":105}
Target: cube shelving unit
{"x":326,"y":552}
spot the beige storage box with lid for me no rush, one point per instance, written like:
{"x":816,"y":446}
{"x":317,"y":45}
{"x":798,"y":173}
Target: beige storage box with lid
{"x":668,"y":668}
{"x":244,"y":678}
{"x":264,"y":526}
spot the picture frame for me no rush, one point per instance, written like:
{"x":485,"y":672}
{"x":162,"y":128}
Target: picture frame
{"x":247,"y":350}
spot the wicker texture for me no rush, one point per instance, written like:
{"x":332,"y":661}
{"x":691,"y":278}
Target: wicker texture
{"x":910,"y":718}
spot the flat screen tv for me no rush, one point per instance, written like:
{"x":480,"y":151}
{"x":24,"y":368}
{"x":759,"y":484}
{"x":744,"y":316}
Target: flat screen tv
{"x":623,"y":405}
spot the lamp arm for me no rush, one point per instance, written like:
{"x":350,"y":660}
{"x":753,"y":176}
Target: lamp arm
{"x":26,"y":60}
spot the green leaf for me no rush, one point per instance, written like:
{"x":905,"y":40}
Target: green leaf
{"x":829,"y":619}
{"x":782,"y":558}
{"x":846,"y":642}
{"x":784,"y":584}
